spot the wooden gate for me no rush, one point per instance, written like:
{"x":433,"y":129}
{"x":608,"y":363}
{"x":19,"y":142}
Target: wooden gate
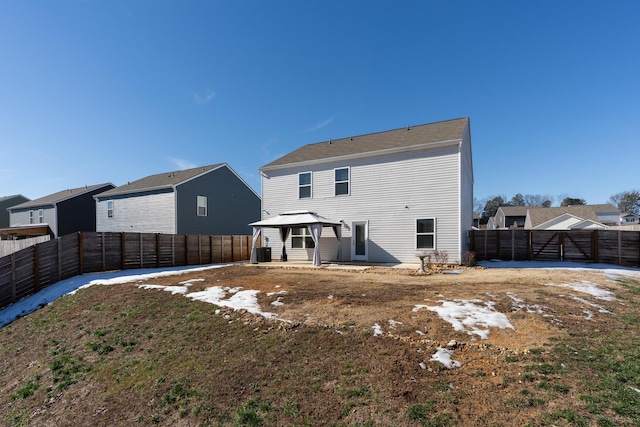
{"x":574,"y":246}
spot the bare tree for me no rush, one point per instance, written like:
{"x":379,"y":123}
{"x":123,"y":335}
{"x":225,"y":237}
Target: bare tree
{"x":538,"y":200}
{"x":627,"y":201}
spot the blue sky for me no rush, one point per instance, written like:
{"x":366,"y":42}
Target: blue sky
{"x":113,"y":91}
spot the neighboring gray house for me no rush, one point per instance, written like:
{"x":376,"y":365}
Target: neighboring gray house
{"x":205,"y":200}
{"x":57,"y":214}
{"x":395,"y":192}
{"x":507,"y":216}
{"x":7,"y":202}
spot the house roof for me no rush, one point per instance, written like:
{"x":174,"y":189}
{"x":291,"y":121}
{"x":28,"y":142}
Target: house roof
{"x":392,"y":140}
{"x":539,"y":215}
{"x":514,"y":210}
{"x":58,"y":197}
{"x":15,"y":196}
{"x":605,"y":207}
{"x":161,"y":181}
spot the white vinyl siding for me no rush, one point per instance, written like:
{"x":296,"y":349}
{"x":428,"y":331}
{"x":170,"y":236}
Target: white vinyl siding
{"x":388,"y":191}
{"x":148,"y":213}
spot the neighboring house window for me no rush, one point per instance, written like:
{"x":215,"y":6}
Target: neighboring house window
{"x":301,"y":238}
{"x":40,"y":216}
{"x":30,"y":217}
{"x":304,"y":185}
{"x":426,"y":233}
{"x":341,"y":181}
{"x":202,"y":205}
{"x":109,"y":208}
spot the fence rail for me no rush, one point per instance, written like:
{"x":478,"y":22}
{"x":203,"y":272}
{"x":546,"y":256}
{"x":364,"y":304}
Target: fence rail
{"x":598,"y":246}
{"x":29,"y":270}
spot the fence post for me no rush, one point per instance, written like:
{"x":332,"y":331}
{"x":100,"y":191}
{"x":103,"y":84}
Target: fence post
{"x":59,"y":239}
{"x":173,"y":251}
{"x":122,"y":249}
{"x":103,"y":247}
{"x":619,"y":247}
{"x":210,"y":249}
{"x":141,"y":252}
{"x":513,"y":244}
{"x":595,"y":246}
{"x":81,"y":252}
{"x":529,"y":245}
{"x":36,"y":267}
{"x":199,"y":249}
{"x":13,"y":277}
{"x":157,"y":250}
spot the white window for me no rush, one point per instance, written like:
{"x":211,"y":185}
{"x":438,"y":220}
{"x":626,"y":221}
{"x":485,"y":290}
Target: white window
{"x":304,"y":185}
{"x":109,"y":208}
{"x":40,"y":216}
{"x":30,"y":217}
{"x":202,"y":205}
{"x":426,"y":233}
{"x":301,"y":238}
{"x":341,"y":181}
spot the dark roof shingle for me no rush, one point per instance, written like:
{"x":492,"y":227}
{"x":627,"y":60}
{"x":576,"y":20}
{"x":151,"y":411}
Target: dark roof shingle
{"x":160,"y":181}
{"x":450,"y":130}
{"x":54,"y":198}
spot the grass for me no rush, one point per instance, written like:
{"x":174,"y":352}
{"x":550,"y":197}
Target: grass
{"x":136,"y":357}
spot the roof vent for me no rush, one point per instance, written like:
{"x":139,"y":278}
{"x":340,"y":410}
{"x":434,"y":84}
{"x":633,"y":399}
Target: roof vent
{"x":408,"y":127}
{"x":330,"y":141}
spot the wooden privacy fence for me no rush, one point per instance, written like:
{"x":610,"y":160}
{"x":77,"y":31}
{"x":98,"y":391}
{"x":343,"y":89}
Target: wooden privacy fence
{"x":597,"y":246}
{"x":32,"y":269}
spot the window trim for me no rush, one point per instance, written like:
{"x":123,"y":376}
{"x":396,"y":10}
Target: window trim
{"x":199,"y":205}
{"x":336,"y":182}
{"x":40,"y":216}
{"x":433,"y":233}
{"x":305,"y":236}
{"x":310,"y":185}
{"x":31,"y":216}
{"x":109,"y":208}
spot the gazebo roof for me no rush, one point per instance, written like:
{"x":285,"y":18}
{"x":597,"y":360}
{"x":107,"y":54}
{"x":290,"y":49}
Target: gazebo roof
{"x":295,"y":219}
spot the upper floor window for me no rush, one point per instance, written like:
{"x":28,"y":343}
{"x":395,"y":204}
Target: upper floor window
{"x":31,"y":217}
{"x":304,"y":185}
{"x":341,"y":180}
{"x":202,"y":205}
{"x":301,"y":238}
{"x":426,"y":233}
{"x":109,"y":208}
{"x":40,"y":216}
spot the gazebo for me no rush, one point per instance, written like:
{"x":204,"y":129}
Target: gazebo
{"x":295,"y":219}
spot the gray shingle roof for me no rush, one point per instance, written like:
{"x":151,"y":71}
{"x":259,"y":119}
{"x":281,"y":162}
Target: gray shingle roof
{"x":60,"y":196}
{"x":450,"y":130}
{"x":514,"y":210}
{"x":161,"y":181}
{"x":541,"y":215}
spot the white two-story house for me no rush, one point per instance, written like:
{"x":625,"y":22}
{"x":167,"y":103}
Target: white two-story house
{"x":396,"y":193}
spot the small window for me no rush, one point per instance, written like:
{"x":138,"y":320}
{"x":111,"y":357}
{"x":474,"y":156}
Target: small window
{"x":304,"y":185}
{"x":202,"y":205}
{"x":40,"y":216}
{"x":109,"y":208}
{"x":426,"y":233}
{"x":341,"y":181}
{"x":31,"y":217}
{"x":301,"y":238}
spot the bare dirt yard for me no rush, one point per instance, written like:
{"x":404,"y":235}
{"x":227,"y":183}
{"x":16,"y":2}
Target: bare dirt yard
{"x":382,"y":346}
